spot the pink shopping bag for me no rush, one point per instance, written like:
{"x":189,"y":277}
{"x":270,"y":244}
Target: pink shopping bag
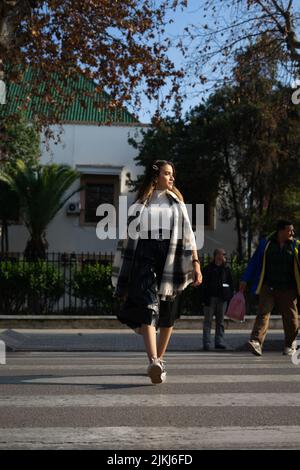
{"x":237,"y":307}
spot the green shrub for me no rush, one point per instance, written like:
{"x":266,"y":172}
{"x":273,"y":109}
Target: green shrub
{"x":191,"y":301}
{"x":35,"y":287}
{"x":14,"y":286}
{"x":32,"y":287}
{"x":46,"y":286}
{"x":92,"y":285}
{"x":237,"y":269}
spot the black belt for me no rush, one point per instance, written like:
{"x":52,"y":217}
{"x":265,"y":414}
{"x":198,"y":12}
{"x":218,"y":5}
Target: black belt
{"x":160,"y":236}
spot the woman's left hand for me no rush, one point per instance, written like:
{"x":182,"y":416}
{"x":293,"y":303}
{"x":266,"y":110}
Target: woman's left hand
{"x":197,"y":275}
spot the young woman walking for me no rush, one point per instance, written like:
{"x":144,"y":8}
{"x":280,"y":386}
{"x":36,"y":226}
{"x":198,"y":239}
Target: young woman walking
{"x":151,"y":269}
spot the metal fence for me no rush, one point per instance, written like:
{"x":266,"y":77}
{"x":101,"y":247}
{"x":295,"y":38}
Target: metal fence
{"x":67,"y":266}
{"x":62,"y":258}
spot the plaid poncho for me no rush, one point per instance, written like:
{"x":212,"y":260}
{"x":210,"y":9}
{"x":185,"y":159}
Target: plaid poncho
{"x":178,"y":269}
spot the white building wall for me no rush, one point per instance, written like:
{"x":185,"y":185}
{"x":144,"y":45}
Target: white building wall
{"x":224,"y":236}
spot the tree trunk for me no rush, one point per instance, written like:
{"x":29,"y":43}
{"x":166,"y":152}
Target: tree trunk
{"x":35,"y":249}
{"x":250,"y":217}
{"x":4,"y":237}
{"x":11,"y":13}
{"x":235,"y":204}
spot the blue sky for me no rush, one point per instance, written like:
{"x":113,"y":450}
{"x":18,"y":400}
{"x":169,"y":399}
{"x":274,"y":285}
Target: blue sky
{"x":182,"y":18}
{"x":193,"y":14}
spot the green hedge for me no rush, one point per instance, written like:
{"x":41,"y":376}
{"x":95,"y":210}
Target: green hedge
{"x":29,"y":287}
{"x":14,"y":285}
{"x":36,"y":287}
{"x":92,"y":285}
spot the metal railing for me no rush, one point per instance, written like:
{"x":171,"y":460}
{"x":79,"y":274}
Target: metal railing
{"x":64,"y":265}
{"x":55,"y":293}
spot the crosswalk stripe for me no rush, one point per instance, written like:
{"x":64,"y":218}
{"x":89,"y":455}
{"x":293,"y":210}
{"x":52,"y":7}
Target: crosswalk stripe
{"x":235,"y":355}
{"x":131,"y":366}
{"x":174,"y":379}
{"x":163,"y":400}
{"x":165,"y":437}
{"x":111,"y":371}
{"x":134,"y":361}
{"x":201,"y":357}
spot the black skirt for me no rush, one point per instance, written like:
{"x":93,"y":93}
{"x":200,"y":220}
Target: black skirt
{"x":143,"y":304}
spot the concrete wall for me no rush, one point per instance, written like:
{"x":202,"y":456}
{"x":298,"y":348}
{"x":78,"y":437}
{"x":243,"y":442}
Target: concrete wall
{"x":223,"y":235}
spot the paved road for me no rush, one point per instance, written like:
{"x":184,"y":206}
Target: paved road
{"x":104,"y":400}
{"x":73,"y":340}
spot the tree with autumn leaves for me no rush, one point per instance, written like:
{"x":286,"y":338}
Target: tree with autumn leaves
{"x":118,"y":45}
{"x":121,"y":45}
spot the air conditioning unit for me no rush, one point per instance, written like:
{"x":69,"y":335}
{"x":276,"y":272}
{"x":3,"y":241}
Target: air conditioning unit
{"x":73,"y":208}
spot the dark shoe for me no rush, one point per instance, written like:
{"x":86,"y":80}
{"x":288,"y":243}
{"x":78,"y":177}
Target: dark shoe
{"x":255,"y":347}
{"x":220,"y":346}
{"x":206,"y":348}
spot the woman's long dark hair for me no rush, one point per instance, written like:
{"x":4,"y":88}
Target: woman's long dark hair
{"x":148,"y":184}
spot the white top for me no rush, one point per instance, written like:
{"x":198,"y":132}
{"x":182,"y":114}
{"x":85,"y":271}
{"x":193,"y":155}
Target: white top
{"x":157,"y":215}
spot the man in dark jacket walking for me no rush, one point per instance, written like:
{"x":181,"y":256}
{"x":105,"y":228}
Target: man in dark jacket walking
{"x":274,"y":271}
{"x":217,"y":291}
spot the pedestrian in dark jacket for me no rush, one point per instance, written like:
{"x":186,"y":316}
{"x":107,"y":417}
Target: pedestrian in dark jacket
{"x":217,"y":291}
{"x":274,"y":271}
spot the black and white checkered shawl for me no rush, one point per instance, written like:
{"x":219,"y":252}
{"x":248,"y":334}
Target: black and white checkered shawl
{"x":178,"y":269}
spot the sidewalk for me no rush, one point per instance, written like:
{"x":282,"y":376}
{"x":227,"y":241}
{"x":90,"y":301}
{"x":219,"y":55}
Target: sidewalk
{"x":100,"y":322}
{"x":68,"y":340}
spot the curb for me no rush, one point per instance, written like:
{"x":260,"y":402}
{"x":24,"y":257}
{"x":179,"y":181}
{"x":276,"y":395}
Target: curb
{"x":111,"y":322}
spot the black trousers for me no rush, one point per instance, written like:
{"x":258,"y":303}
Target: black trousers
{"x":143,"y":304}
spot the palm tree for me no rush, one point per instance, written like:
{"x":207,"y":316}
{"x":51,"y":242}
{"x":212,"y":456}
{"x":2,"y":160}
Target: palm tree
{"x":41,"y":192}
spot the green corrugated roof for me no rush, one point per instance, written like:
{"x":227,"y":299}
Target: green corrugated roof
{"x":75,"y":111}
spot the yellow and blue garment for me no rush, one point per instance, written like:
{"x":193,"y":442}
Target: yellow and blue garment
{"x":255,"y":271}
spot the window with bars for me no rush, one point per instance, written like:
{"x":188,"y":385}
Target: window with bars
{"x":99,"y":189}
